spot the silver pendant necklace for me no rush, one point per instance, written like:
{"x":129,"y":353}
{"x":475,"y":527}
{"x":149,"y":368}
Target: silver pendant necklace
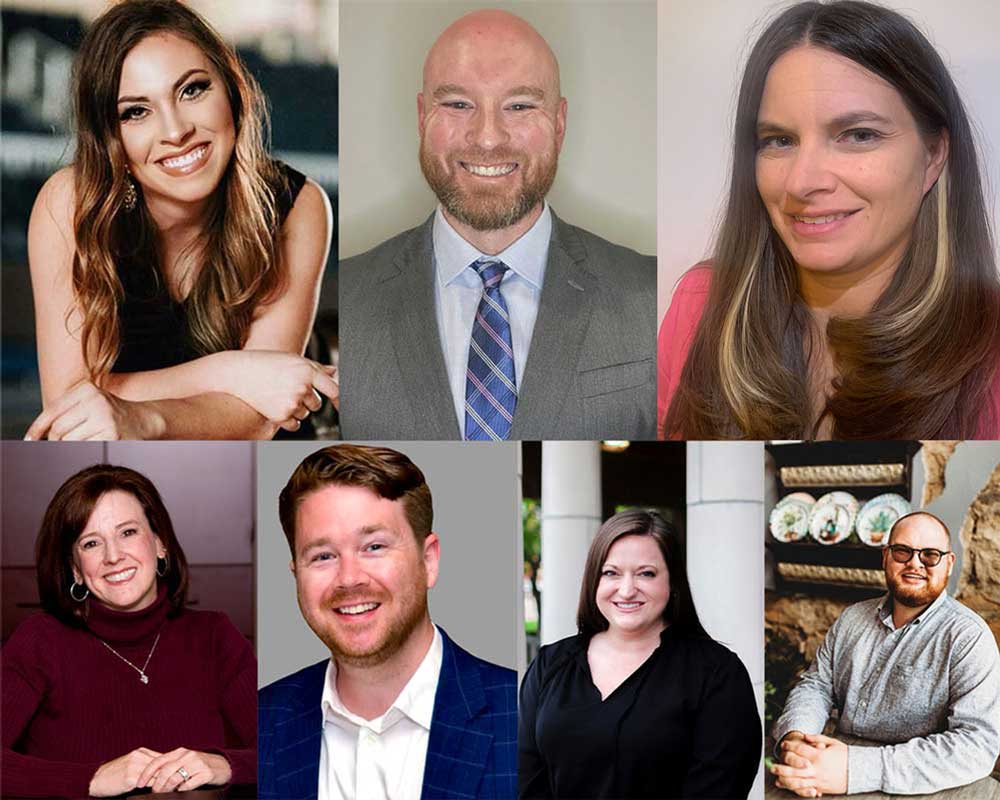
{"x":142,"y":672}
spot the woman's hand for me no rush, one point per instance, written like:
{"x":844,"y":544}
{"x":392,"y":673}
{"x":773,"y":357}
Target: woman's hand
{"x":282,"y":387}
{"x":183,"y":769}
{"x":121,"y":775}
{"x":88,"y":412}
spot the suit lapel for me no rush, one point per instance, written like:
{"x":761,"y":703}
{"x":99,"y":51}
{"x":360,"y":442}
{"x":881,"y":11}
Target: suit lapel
{"x":409,"y":289}
{"x":560,"y":328}
{"x":457,"y":753}
{"x":301,"y":738}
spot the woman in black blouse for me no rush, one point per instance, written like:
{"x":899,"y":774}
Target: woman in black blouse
{"x":641,"y":703}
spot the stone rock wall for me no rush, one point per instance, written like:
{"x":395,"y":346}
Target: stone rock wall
{"x":935,"y":456}
{"x":979,"y":582}
{"x":801,"y":619}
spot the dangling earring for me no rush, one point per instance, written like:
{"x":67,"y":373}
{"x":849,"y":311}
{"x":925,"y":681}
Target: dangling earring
{"x":72,"y":593}
{"x":166,"y":565}
{"x":131,"y":198}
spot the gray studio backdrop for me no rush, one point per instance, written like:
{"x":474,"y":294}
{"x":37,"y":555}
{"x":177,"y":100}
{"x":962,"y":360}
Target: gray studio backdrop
{"x":607,"y":168}
{"x":476,"y":491}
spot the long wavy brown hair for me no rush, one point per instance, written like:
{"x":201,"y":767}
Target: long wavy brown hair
{"x":920,"y":364}
{"x":240,"y":266}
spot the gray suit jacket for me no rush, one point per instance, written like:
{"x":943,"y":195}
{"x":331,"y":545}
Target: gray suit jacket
{"x":591,"y":369}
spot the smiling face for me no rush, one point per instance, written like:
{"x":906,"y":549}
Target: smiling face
{"x":914,"y":584}
{"x":842,"y":167}
{"x":116,"y":554}
{"x":491,"y":120}
{"x":634,"y":587}
{"x":175,"y":120}
{"x":360,"y":575}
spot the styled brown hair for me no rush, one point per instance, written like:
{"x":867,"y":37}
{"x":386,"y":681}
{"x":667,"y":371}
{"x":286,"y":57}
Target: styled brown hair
{"x":920,"y":364}
{"x":239,"y":255}
{"x":679,"y":613}
{"x":65,"y":519}
{"x":386,"y":472}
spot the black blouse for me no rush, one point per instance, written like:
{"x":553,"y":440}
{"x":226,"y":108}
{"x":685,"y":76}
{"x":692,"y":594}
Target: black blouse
{"x":155,"y":331}
{"x":683,"y":725}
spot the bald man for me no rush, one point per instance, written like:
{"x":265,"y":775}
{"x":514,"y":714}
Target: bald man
{"x":915,"y":674}
{"x":495,"y":319}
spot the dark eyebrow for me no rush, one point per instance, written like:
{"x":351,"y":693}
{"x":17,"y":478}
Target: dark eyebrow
{"x":177,"y":85}
{"x":842,"y":121}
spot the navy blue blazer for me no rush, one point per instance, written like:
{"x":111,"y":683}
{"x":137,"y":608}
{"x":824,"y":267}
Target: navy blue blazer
{"x":471,"y":753}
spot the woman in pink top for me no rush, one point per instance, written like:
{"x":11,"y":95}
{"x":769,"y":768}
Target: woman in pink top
{"x":853,"y":291}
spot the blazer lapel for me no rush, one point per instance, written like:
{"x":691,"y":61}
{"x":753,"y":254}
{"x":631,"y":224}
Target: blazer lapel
{"x":301,"y":739}
{"x":409,"y":289}
{"x":560,"y":328}
{"x":457,"y":753}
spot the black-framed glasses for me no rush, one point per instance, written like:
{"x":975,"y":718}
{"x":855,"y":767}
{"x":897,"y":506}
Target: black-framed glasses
{"x":929,"y":556}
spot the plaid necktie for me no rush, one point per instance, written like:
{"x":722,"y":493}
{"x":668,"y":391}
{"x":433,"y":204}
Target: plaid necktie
{"x":490,"y":383}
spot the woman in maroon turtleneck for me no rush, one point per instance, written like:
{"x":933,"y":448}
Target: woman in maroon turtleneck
{"x":118,"y":686}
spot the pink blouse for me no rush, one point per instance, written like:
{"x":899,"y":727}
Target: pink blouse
{"x":677,"y":333}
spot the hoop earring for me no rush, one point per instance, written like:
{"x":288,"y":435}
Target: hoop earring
{"x":72,"y":594}
{"x":130,"y":198}
{"x":166,"y":565}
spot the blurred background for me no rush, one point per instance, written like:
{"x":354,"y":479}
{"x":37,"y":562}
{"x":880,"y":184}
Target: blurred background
{"x":207,"y":488}
{"x":290,"y":46}
{"x":711,"y":491}
{"x":809,"y":583}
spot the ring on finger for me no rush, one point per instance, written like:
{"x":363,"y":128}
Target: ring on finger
{"x":183,"y":773}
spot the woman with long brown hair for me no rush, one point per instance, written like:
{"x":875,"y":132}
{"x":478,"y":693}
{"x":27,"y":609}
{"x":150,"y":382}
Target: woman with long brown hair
{"x":175,"y":266}
{"x":853,"y":291}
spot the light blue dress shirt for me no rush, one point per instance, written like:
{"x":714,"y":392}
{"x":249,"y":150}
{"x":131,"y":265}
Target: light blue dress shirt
{"x":458,"y":289}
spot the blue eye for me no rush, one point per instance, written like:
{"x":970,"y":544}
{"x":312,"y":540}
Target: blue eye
{"x":521,"y":107}
{"x":457,"y":104}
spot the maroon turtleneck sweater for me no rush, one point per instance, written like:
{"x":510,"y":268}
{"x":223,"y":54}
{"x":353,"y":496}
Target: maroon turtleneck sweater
{"x":70,"y":705}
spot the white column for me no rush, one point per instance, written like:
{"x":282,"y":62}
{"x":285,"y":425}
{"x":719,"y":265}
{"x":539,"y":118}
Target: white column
{"x":725,"y":556}
{"x":571,"y":515}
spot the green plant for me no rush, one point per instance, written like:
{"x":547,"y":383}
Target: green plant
{"x":531,"y":533}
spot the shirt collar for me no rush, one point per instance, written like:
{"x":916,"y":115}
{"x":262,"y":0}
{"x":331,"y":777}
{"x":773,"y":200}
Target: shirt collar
{"x":526,"y":257}
{"x":884,"y":610}
{"x":415,"y":701}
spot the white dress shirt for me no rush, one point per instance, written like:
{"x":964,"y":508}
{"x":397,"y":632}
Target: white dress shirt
{"x":381,"y":758}
{"x":458,"y":289}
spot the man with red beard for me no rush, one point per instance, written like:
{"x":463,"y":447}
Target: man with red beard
{"x":495,"y":319}
{"x":399,"y":711}
{"x":915,"y":674}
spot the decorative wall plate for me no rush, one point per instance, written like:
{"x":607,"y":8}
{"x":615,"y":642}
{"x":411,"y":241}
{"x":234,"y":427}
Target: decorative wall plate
{"x":877,"y":517}
{"x":832,"y":518}
{"x":790,"y":520}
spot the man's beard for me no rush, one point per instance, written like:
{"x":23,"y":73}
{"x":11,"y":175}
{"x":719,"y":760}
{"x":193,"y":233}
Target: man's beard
{"x":411,"y":611}
{"x":490,"y":209}
{"x":916,"y":596}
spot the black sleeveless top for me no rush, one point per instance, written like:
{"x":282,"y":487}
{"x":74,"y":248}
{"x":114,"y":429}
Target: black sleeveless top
{"x":155,"y":332}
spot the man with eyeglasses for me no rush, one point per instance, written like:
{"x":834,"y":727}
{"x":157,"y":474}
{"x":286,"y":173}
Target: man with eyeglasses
{"x":914,"y":673}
